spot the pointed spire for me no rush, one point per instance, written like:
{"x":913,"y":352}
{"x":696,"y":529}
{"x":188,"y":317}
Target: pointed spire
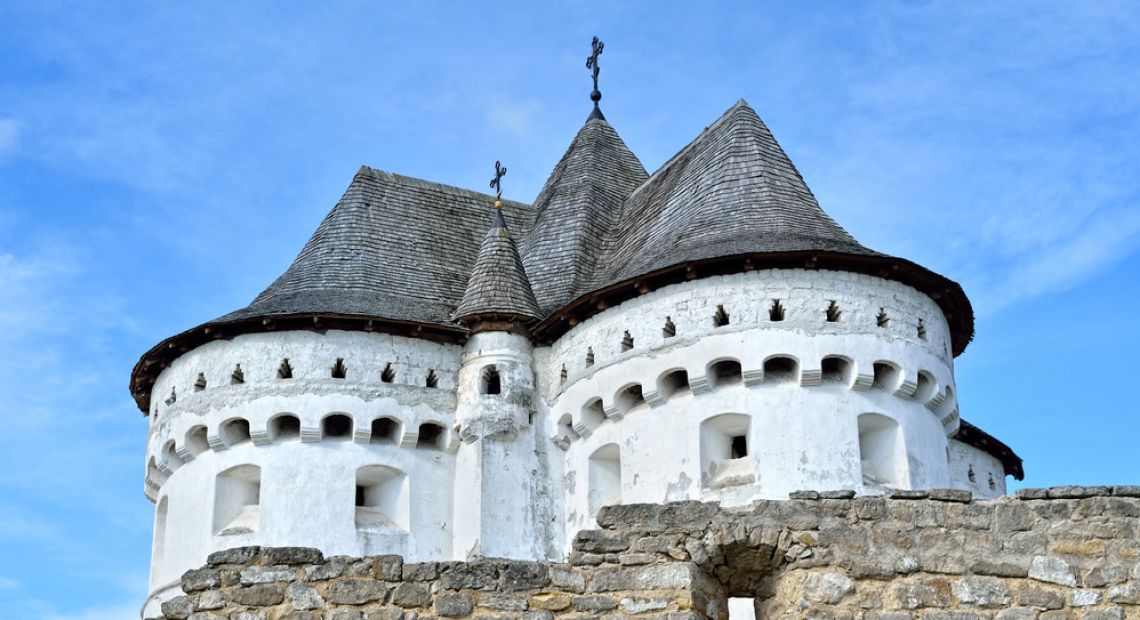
{"x":498,"y":291}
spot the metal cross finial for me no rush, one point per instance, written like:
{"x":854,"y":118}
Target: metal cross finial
{"x":592,"y":63}
{"x":497,"y":182}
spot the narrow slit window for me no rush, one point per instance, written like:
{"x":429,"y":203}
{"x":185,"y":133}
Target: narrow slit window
{"x":388,"y":375}
{"x":432,"y":379}
{"x":285,"y":370}
{"x":173,"y":397}
{"x":720,"y":318}
{"x":339,"y":370}
{"x":200,"y":383}
{"x":237,"y":376}
{"x":670,"y":329}
{"x":562,"y":375}
{"x":776,"y":311}
{"x":626,"y":342}
{"x":921,"y":330}
{"x":834,"y":314}
{"x":882,"y":319}
{"x":739,"y":446}
{"x":589,"y":356}
{"x":970,"y":474}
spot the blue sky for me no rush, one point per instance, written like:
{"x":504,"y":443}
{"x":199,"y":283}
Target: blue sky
{"x":160,"y":163}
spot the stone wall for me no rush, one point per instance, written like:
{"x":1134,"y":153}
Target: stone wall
{"x":1058,"y":554}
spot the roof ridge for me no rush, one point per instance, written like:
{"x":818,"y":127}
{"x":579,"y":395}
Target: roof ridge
{"x":720,"y":120}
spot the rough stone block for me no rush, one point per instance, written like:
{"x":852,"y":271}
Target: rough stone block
{"x":982,"y":592}
{"x":951,"y":495}
{"x":565,"y":578}
{"x":908,"y":494}
{"x":210,"y":600}
{"x":304,"y":597}
{"x":1107,"y":613}
{"x":1052,"y":570}
{"x":502,"y":602}
{"x":839,"y":494}
{"x":1031,"y":596}
{"x":519,"y":575}
{"x":1127,"y":593}
{"x":384,"y":613}
{"x":424,"y":571}
{"x":476,"y":575}
{"x":344,"y":614}
{"x":411,"y":594}
{"x":266,"y":574}
{"x":236,"y":555}
{"x":389,"y":567}
{"x":928,"y":592}
{"x":1126,"y":490}
{"x":331,"y":569}
{"x":260,"y":595}
{"x":550,"y":601}
{"x":1077,"y":492}
{"x":1011,"y":566}
{"x":641,"y":605}
{"x":200,"y":579}
{"x":803,"y":495}
{"x":1032,"y":494}
{"x":178,"y":608}
{"x":356,"y":591}
{"x":292,"y":555}
{"x":1016,"y":613}
{"x":827,"y":587}
{"x":593,"y":603}
{"x":1084,"y":598}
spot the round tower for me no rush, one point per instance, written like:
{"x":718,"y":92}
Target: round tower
{"x":502,"y":507}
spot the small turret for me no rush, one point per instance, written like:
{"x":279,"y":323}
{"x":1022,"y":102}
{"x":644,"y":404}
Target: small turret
{"x":498,"y":511}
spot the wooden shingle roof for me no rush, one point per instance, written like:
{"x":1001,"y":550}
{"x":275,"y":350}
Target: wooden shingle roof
{"x":498,"y":286}
{"x":398,"y":254}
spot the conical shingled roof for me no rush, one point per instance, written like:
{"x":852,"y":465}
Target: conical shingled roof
{"x":498,"y":284}
{"x":379,"y":253}
{"x":576,"y":209}
{"x":731,"y":191}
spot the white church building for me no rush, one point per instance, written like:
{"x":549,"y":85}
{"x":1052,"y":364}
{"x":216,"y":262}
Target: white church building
{"x":443,"y":375}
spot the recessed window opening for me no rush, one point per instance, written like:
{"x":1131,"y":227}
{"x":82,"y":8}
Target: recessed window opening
{"x":562,"y":375}
{"x":921,"y":330}
{"x":200,"y":382}
{"x":196,"y":440}
{"x":673,"y":382}
{"x":170,"y":456}
{"x":725,"y":372}
{"x":776,"y":311}
{"x":159,"y":545}
{"x":604,"y":478}
{"x":336,"y":426}
{"x":881,"y":454}
{"x":720,"y":317}
{"x":836,"y":369}
{"x":669,"y":330}
{"x":237,"y":376}
{"x":385,"y":430}
{"x":566,"y":430}
{"x":285,"y":370}
{"x":589,"y":356}
{"x":970,"y":473}
{"x":388,"y":375}
{"x":630,"y":397}
{"x":285,"y":427}
{"x":882,"y":319}
{"x":489,"y":381}
{"x":593,"y":414}
{"x":924,"y":387}
{"x":887,"y":376}
{"x":381,"y":499}
{"x":173,"y":398}
{"x":780,"y":369}
{"x":237,"y":496}
{"x":724,"y":451}
{"x":431,"y":436}
{"x":993,"y":485}
{"x":833,"y":313}
{"x":626,"y":342}
{"x":339,"y":370}
{"x":154,"y":474}
{"x":432,"y":379}
{"x":235,"y":431}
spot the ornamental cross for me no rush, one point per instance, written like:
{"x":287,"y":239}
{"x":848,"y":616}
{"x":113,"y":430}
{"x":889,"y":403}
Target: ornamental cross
{"x":592,"y":63}
{"x":497,"y":182}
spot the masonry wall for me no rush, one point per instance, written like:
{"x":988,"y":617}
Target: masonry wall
{"x":1065,"y":553}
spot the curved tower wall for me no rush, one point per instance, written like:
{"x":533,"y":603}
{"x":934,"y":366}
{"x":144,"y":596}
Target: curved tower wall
{"x":326,"y":482}
{"x":805,"y":423}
